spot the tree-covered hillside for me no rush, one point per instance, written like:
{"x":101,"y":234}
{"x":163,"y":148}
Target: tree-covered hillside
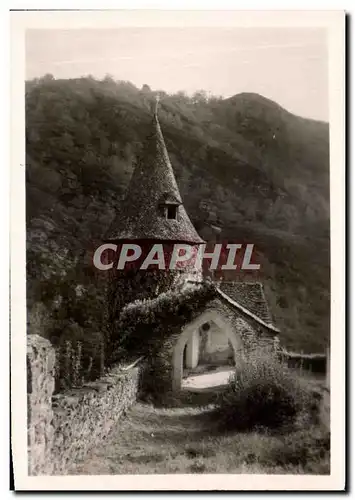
{"x":248,"y":171}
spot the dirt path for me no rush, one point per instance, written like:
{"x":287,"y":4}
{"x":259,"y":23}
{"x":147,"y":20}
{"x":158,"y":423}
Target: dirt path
{"x":151,"y":440}
{"x":185,"y":440}
{"x":211,"y":380}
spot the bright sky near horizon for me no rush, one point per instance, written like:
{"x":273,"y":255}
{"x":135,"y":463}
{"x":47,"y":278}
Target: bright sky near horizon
{"x":289,"y":66}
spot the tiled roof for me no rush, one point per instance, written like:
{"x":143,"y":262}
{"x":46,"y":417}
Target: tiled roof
{"x":248,"y":295}
{"x":153,"y":182}
{"x":248,"y":299}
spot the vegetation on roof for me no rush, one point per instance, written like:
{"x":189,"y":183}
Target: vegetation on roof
{"x":144,"y":324}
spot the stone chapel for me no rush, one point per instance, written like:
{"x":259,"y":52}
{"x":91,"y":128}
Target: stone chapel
{"x":195,"y":321}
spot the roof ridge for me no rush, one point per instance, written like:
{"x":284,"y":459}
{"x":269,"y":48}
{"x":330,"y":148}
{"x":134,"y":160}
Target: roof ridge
{"x":246,"y":311}
{"x":241,"y":308}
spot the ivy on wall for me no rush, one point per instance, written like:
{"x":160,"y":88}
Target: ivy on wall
{"x":144,"y":325}
{"x":134,"y":286}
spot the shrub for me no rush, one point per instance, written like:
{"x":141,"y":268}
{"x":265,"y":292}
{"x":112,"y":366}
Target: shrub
{"x":69,"y":365}
{"x":79,"y":358}
{"x":262,"y":393}
{"x":39,"y":321}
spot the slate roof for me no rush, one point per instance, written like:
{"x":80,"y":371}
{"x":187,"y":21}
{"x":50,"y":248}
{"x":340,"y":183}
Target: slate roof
{"x":248,"y":295}
{"x":246,"y":298}
{"x":141,"y":216}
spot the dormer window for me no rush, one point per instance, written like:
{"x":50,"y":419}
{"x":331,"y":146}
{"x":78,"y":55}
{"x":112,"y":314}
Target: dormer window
{"x":169,"y":206}
{"x":171,"y":212}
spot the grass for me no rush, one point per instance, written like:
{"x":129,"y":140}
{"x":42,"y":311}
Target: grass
{"x":185,"y":440}
{"x":266,"y":421}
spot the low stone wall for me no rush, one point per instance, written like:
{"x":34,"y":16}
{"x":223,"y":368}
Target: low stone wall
{"x":40,"y":387}
{"x":84,"y":417}
{"x":64,"y":427}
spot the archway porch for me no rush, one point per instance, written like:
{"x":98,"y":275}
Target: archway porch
{"x":205,"y":354}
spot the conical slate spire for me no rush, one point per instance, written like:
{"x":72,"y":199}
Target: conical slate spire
{"x":152,"y":208}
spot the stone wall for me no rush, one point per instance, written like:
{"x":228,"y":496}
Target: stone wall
{"x":40,"y":387}
{"x":161,"y":383}
{"x":218,"y":348}
{"x":64,"y":427}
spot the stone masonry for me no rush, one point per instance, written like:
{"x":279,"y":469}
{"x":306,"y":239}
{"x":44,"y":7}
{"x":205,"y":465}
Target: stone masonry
{"x":40,"y":386}
{"x":64,"y":427}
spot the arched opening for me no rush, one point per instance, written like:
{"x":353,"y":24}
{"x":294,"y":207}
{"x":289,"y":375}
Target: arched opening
{"x":205,"y":353}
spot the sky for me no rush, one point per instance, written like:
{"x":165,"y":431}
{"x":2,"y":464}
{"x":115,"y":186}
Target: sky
{"x":288,"y":66}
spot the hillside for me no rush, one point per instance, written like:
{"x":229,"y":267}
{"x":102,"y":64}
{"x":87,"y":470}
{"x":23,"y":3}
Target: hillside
{"x":244,"y":165}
